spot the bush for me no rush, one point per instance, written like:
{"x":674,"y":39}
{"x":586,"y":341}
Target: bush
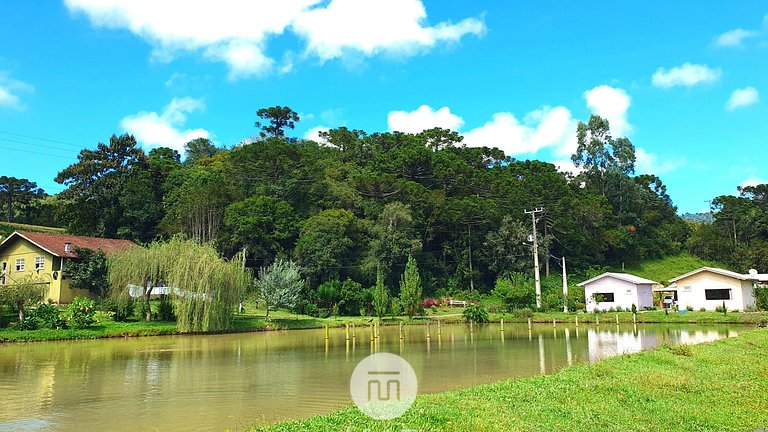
{"x":49,"y":317}
{"x":165,"y":309}
{"x":619,"y":309}
{"x":514,"y":292}
{"x":703,"y":309}
{"x":82,"y":312}
{"x":761,"y":297}
{"x":683,"y":350}
{"x":121,"y":308}
{"x":353,"y":298}
{"x":476,"y":313}
{"x":689,"y":308}
{"x":523,"y":313}
{"x":29,"y":322}
{"x":634,"y":308}
{"x":723,"y":309}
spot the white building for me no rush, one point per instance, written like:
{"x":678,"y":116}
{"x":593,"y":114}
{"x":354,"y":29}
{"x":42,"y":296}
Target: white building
{"x":618,"y":290}
{"x":709,"y":287}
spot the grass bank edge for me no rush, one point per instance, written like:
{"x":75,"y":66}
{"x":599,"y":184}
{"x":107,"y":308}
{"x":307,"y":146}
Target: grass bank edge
{"x":711,"y":386}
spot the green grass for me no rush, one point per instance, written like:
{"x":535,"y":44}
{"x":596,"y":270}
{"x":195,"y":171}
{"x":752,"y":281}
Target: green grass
{"x":664,"y":269}
{"x":722,"y":386}
{"x":6,"y":228}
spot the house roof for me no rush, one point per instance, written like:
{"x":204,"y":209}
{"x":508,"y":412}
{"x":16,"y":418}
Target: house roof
{"x":637,"y":280}
{"x":55,"y":243}
{"x":732,"y":274}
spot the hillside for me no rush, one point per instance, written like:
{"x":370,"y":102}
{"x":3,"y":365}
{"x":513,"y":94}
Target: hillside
{"x":663,"y":269}
{"x":7,"y":228}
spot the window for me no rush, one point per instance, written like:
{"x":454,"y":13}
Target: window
{"x":717,"y":294}
{"x":604,"y":297}
{"x":39,"y":263}
{"x":21,"y":264}
{"x":3,"y":267}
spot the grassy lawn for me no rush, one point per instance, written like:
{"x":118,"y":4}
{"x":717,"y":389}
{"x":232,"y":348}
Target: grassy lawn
{"x":721,"y":386}
{"x":663,"y":269}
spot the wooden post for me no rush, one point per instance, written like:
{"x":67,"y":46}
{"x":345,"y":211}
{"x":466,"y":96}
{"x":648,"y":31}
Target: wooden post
{"x":354,"y":333}
{"x":326,"y":332}
{"x":502,"y":325}
{"x":554,"y":323}
{"x":529,"y":324}
{"x":577,"y":321}
{"x":346,"y":327}
{"x":401,"y":331}
{"x":372,"y":333}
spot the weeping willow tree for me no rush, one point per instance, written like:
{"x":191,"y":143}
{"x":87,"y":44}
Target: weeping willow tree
{"x":205,"y":288}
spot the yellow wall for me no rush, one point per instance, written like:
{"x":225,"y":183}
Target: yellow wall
{"x":58,"y":290}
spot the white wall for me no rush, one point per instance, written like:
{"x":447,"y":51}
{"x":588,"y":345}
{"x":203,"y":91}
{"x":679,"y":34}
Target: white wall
{"x":690,"y":291}
{"x":624,"y":294}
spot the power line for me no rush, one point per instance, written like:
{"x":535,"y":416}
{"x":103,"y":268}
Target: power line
{"x":36,"y":153}
{"x":33,"y":144}
{"x":43,"y":139}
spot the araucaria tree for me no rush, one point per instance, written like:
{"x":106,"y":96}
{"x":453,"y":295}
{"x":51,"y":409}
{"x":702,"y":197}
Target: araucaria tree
{"x":380,"y":295}
{"x":410,"y":288}
{"x":279,"y":285}
{"x":205,"y":288}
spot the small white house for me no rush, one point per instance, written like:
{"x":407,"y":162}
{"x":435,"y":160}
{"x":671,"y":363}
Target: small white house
{"x":709,"y":287}
{"x":614,"y":290}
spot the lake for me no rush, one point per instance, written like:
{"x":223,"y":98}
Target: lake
{"x":214,"y":382}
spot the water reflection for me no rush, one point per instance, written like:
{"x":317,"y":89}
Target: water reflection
{"x":229,"y":381}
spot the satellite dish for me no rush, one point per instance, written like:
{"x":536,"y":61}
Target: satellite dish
{"x":752,"y":272}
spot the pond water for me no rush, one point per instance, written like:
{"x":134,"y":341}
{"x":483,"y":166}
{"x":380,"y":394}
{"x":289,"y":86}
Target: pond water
{"x":211,"y":383}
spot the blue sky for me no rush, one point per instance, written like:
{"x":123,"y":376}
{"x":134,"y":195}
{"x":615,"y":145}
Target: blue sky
{"x":686,"y":84}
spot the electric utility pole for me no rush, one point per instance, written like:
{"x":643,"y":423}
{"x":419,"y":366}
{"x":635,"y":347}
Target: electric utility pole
{"x":536,"y":277}
{"x":565,"y":288}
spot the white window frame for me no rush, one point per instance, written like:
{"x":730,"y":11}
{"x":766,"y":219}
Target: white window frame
{"x":39,"y":263}
{"x":21,"y":264}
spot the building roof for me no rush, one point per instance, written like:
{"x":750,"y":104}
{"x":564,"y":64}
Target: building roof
{"x":732,"y":274}
{"x":55,"y":243}
{"x":637,"y":280}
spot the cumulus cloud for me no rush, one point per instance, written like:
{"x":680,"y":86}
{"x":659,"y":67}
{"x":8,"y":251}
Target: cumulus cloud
{"x":742,"y":97}
{"x":752,"y":181}
{"x":686,"y":75}
{"x":11,"y":90}
{"x":237,"y":32}
{"x":423,"y":118}
{"x":542,"y":128}
{"x":611,"y":104}
{"x":165,"y":129}
{"x":734,"y":38}
{"x":314,"y":134}
{"x":650,"y":163}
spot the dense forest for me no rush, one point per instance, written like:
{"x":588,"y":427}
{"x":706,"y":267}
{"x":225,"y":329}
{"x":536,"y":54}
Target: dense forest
{"x":359,"y":202}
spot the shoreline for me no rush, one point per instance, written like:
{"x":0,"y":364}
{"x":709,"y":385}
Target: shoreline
{"x":255,"y":324}
{"x":688,"y":387}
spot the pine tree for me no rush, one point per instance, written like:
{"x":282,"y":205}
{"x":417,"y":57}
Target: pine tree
{"x":410,"y":288}
{"x":380,"y":295}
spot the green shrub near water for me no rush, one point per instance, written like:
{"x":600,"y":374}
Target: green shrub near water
{"x":82,"y":312}
{"x":165,"y":309}
{"x":121,"y":309}
{"x":475,"y":313}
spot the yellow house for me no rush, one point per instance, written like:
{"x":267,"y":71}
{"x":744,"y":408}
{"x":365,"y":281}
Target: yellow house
{"x":45,"y":256}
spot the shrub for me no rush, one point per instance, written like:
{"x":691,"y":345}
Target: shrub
{"x":619,"y":309}
{"x":49,"y":317}
{"x":761,"y":297}
{"x":683,"y":350}
{"x":703,"y":309}
{"x":514,"y":292}
{"x":689,"y":308}
{"x":723,"y":309}
{"x":30,"y":322}
{"x":165,"y":309}
{"x":82,"y":312}
{"x":476,"y":313}
{"x":353,"y":298}
{"x":634,"y":308}
{"x":523,"y":313}
{"x":121,"y":308}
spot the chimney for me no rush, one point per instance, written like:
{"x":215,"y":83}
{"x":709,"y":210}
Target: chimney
{"x":68,"y":247}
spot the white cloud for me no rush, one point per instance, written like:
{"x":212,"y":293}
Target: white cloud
{"x":10,"y":90}
{"x":314,"y":134}
{"x":611,"y":104}
{"x":650,"y":163}
{"x":687,"y":75}
{"x":423,"y":118}
{"x":753,"y":181}
{"x":542,"y":128}
{"x":165,"y":130}
{"x":733,"y":38}
{"x":237,"y":32}
{"x":742,"y":97}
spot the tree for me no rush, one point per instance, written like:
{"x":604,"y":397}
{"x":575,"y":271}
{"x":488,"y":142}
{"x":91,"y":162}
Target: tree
{"x":380,"y":295}
{"x":279,"y":285}
{"x":198,"y":149}
{"x":18,"y":196}
{"x":23,"y":292}
{"x":263,"y":224}
{"x":515,"y":291}
{"x":205,"y":288}
{"x":599,"y":153}
{"x":95,"y":183}
{"x":90,"y":271}
{"x":410,"y":288}
{"x":279,"y":118}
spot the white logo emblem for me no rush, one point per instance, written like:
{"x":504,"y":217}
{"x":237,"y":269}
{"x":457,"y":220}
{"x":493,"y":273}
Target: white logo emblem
{"x":383,"y":386}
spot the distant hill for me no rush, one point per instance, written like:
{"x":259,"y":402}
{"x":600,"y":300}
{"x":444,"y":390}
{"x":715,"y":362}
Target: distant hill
{"x":6,"y":228}
{"x":704,"y":217}
{"x":661,"y":270}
